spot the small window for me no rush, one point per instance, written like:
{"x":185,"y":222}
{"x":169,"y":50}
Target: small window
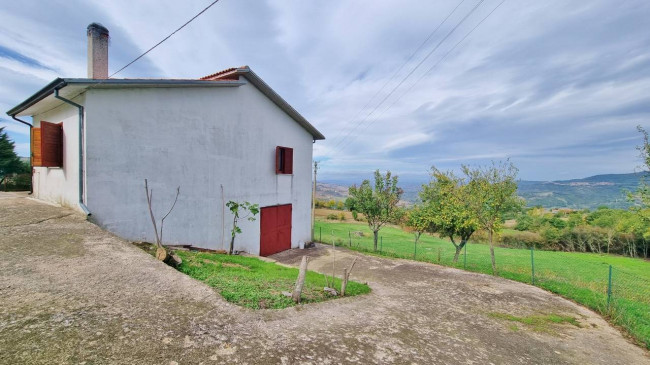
{"x":283,"y":160}
{"x":47,"y":145}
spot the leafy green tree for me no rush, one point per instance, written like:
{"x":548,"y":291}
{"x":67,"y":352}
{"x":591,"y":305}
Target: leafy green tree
{"x":493,"y":191}
{"x":524,"y":222}
{"x":418,"y":219}
{"x":9,"y":162}
{"x":448,"y":200}
{"x":247,"y":210}
{"x":378,"y":204}
{"x":643,"y":193}
{"x":608,"y":219}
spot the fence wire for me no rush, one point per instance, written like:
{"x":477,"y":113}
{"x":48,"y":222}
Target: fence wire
{"x":624,"y":297}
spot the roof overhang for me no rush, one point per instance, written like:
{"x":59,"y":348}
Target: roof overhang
{"x":70,"y":88}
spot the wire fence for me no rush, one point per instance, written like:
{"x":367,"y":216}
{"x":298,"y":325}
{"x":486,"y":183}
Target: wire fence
{"x":616,"y":291}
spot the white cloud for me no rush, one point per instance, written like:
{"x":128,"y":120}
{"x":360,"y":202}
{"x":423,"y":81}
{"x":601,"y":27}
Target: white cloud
{"x":557,"y":86}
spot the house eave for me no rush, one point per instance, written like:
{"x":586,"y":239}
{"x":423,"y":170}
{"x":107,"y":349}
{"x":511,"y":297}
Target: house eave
{"x":84,"y":84}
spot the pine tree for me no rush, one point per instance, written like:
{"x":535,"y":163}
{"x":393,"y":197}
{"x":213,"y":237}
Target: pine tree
{"x":9,"y":162}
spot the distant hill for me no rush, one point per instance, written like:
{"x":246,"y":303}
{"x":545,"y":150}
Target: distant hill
{"x":590,"y":193}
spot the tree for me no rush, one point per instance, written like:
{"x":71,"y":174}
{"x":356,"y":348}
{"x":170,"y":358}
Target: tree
{"x":493,"y":191}
{"x":249,"y":212}
{"x":418,"y":219}
{"x":608,"y":219}
{"x":447,"y":198}
{"x":378,"y":205}
{"x":9,"y":162}
{"x":161,"y":252}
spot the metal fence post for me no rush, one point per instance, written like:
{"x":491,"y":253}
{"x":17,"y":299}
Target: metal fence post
{"x":349,"y":238}
{"x":415,"y":249}
{"x":609,"y":287}
{"x":532,"y":263}
{"x":465,"y":258}
{"x":320,"y":234}
{"x":381,"y":244}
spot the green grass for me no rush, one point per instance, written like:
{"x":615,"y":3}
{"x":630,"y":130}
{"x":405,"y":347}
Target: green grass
{"x":538,"y":322}
{"x":253,"y":283}
{"x":582,"y":277}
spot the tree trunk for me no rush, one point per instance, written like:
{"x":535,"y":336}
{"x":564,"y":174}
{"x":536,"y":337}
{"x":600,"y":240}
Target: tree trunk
{"x":301,"y":280}
{"x":375,"y":234}
{"x":459,"y":248}
{"x":344,"y":281}
{"x":609,"y":240}
{"x":232,"y":245}
{"x":494,"y":264}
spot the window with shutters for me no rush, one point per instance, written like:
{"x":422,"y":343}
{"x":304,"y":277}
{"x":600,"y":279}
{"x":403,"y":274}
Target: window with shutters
{"x":283,"y":160}
{"x":47,"y":145}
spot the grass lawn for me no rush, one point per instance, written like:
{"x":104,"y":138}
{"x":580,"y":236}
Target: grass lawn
{"x":257,"y":284}
{"x":582,"y":277}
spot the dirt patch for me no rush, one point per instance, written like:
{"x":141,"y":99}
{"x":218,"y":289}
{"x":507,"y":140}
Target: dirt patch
{"x":95,"y":298}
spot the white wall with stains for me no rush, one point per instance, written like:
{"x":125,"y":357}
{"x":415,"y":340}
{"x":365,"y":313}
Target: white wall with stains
{"x":199,"y":139}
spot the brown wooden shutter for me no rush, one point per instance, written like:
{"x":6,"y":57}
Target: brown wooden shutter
{"x":288,"y":160}
{"x":36,"y":147}
{"x":52,"y":144}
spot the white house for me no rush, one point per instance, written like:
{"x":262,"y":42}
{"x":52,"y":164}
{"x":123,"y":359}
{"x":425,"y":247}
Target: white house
{"x":226,"y":136}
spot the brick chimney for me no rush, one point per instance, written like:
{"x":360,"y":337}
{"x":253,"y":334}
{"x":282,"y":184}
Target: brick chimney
{"x":97,"y":51}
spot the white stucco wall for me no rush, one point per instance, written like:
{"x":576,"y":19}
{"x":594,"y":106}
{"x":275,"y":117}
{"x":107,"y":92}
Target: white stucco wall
{"x":198,"y":139}
{"x":54,"y":184}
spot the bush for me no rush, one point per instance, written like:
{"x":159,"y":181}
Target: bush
{"x":524,"y":222}
{"x":355,"y":215}
{"x":523,"y":240}
{"x":332,"y":216}
{"x":341,"y":216}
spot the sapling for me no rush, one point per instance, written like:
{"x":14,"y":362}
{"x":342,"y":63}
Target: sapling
{"x":248,"y":210}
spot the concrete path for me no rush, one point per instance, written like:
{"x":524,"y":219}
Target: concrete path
{"x":72,"y":293}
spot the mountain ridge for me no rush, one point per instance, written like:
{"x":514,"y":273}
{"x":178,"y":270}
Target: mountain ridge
{"x":587,"y":193}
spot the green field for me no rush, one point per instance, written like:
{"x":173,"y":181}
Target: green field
{"x":582,"y":277}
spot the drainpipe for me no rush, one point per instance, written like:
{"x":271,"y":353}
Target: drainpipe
{"x":31,"y":172}
{"x":81,"y":149}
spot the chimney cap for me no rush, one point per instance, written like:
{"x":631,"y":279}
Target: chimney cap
{"x":97,"y":29}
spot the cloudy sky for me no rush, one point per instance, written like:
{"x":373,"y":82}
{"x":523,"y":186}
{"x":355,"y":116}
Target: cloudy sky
{"x":556,"y":86}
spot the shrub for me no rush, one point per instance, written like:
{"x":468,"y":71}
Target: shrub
{"x":341,"y":216}
{"x":355,"y":215}
{"x":332,"y":216}
{"x":524,"y":222}
{"x":523,"y":240}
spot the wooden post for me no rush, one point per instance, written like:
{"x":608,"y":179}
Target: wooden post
{"x":301,"y":280}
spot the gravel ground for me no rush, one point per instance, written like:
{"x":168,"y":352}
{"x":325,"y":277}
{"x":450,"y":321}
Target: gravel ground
{"x":72,"y":293}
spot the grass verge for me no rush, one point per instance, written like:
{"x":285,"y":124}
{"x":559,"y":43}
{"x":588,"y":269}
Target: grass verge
{"x":582,"y":277}
{"x":538,"y":322}
{"x":256,"y":284}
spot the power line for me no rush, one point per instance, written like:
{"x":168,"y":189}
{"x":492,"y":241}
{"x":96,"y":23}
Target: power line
{"x":402,"y":66}
{"x":164,"y":39}
{"x":430,"y":69}
{"x":414,"y":69}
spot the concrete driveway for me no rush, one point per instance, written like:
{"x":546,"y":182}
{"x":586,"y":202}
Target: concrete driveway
{"x":73,"y":293}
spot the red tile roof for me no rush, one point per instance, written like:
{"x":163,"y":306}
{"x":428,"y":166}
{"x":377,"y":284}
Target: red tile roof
{"x":227,"y":74}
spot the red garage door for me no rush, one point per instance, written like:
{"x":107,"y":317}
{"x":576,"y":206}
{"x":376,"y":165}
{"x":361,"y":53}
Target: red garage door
{"x":275,"y":229}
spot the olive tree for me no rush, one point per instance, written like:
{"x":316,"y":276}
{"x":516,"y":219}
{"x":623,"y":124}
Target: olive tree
{"x":379,"y":203}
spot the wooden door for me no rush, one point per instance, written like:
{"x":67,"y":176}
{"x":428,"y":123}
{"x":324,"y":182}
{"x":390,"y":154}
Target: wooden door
{"x":275,"y":229}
